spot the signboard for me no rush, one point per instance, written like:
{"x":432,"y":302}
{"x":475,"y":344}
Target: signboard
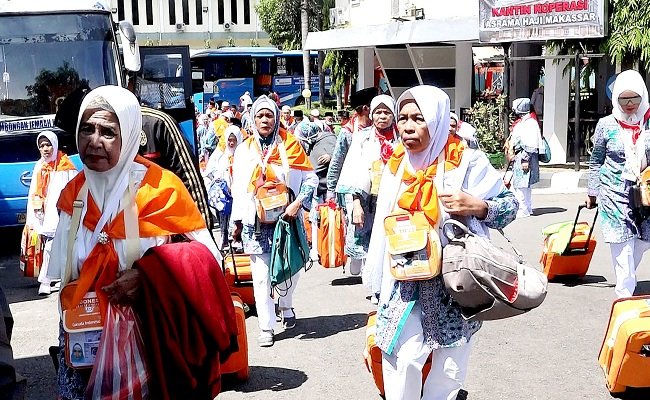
{"x":529,"y":20}
{"x":26,"y":124}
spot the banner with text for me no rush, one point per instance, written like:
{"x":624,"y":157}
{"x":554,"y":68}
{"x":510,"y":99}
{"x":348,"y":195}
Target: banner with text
{"x":529,"y":20}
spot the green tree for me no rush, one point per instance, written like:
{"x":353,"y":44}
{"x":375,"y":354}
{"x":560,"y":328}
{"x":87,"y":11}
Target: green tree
{"x":629,"y":35}
{"x":51,"y":85}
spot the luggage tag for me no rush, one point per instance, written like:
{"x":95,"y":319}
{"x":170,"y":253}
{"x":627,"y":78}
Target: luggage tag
{"x":376,"y":170}
{"x":83,"y":330}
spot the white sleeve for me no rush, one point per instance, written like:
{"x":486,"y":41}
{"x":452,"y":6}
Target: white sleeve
{"x":203,"y":236}
{"x":59,"y":253}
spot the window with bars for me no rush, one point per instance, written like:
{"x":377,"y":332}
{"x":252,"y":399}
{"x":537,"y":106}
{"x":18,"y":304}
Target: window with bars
{"x":186,"y":12}
{"x":247,"y":12}
{"x":199,"y":12}
{"x":233,"y":11}
{"x":135,"y":13}
{"x":172,"y":12}
{"x":221,"y":12}
{"x":149,"y":11}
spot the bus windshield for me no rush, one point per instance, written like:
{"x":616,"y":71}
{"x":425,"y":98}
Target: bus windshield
{"x":45,"y":57}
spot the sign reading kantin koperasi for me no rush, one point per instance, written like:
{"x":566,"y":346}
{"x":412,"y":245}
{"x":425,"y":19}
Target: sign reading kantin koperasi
{"x":529,"y":20}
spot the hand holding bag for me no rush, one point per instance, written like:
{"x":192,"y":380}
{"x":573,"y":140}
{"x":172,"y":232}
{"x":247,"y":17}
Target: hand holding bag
{"x":486,"y":281}
{"x":289,"y":254}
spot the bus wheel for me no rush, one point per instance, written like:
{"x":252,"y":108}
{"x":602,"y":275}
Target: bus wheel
{"x":299,"y":101}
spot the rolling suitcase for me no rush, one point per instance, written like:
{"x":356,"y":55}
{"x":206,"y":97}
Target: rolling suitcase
{"x":237,"y":362}
{"x":331,"y":236}
{"x":238,"y":274}
{"x":576,"y":257}
{"x":625,"y":352}
{"x":373,"y":359}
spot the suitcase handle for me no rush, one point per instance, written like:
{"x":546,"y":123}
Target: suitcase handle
{"x":234,"y":263}
{"x":575,"y":224}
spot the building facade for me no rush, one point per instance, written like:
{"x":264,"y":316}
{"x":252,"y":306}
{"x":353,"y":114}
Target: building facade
{"x":197,"y":23}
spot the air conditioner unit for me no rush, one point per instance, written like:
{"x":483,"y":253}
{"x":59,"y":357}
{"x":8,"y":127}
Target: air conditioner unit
{"x":338,"y":16}
{"x":413,"y":12}
{"x":227,"y":26}
{"x":180,"y":26}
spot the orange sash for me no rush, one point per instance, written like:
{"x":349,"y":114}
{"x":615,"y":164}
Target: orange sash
{"x":296,"y":157}
{"x":165,"y":207}
{"x":421,"y":193}
{"x":62,"y":163}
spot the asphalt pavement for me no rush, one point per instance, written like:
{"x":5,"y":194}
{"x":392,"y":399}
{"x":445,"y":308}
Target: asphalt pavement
{"x":549,"y":353}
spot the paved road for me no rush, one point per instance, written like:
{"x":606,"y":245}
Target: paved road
{"x":550,"y":353}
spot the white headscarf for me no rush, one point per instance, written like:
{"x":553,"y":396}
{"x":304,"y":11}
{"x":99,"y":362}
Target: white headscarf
{"x":382,"y":99}
{"x":521,"y":106}
{"x":633,"y":81}
{"x":464,"y":129}
{"x":434,"y":106}
{"x":54,"y":140}
{"x":263,"y":102}
{"x":107,"y":188}
{"x":219,"y":161}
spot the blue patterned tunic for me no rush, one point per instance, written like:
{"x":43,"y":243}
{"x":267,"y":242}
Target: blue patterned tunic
{"x":606,"y":182}
{"x":442,"y":322}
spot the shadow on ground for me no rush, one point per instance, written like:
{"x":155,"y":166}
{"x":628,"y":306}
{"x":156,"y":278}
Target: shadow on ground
{"x":324,"y":326}
{"x":587,"y":280}
{"x":275,"y":379}
{"x":347,"y":281}
{"x":40,"y":375}
{"x":642,"y":288}
{"x":548,"y":210}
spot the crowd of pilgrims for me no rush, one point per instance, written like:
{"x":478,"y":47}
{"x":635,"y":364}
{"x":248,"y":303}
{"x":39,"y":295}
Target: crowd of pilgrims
{"x":412,"y":153}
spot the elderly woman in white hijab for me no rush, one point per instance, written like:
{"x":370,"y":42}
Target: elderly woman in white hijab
{"x":129,"y":205}
{"x":218,"y":179}
{"x":620,"y":155}
{"x":525,"y":144}
{"x":51,"y":173}
{"x":359,"y":181}
{"x":416,"y":318}
{"x":269,"y":154}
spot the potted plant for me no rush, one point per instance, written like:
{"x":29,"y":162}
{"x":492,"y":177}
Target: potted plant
{"x":487,"y":117}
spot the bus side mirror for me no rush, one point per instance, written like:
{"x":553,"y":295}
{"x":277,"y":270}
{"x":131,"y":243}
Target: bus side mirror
{"x":130,"y":49}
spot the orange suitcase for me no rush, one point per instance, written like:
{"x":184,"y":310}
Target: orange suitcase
{"x":307,"y":223}
{"x":575,"y":260}
{"x":625,"y":353}
{"x":331,"y":236}
{"x":238,"y":274}
{"x":237,"y":363}
{"x":373,"y":359}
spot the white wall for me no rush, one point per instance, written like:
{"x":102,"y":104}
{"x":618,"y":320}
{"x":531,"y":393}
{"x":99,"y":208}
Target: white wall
{"x":376,"y":12}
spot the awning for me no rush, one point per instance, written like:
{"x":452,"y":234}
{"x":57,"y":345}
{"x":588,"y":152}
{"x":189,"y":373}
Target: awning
{"x":399,"y":32}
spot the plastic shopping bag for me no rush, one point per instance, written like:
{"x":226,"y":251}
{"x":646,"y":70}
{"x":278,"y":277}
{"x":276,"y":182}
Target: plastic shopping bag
{"x":120,"y":371}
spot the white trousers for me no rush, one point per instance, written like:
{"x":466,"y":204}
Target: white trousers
{"x":403,"y":370}
{"x":264,"y":303}
{"x":356,"y":264}
{"x":42,"y":276}
{"x":626,"y":257}
{"x":525,"y":198}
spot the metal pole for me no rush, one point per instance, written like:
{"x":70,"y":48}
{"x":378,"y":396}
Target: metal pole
{"x":506,"y":88}
{"x":576,"y":126}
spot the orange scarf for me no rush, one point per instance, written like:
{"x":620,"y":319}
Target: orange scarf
{"x":421,"y":193}
{"x":296,"y":157}
{"x":165,"y":207}
{"x":62,"y":163}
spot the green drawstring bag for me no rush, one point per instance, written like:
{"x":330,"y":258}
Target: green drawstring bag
{"x":289,"y":254}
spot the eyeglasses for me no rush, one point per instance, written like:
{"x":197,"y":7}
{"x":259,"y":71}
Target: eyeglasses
{"x":625,"y":101}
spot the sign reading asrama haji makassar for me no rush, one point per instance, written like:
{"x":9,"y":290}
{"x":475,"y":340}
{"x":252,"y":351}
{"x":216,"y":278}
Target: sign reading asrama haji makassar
{"x":529,"y":20}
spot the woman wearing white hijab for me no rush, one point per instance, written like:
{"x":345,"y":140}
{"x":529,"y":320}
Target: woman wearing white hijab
{"x":416,"y":318}
{"x":464,"y":130}
{"x":358,"y":184}
{"x":51,"y":173}
{"x":129,"y":205}
{"x":269,"y":153}
{"x":525,"y":142}
{"x":218,"y":179}
{"x":621,"y":151}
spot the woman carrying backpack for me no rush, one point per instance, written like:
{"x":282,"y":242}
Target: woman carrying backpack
{"x":270,"y":155}
{"x":431,"y":173}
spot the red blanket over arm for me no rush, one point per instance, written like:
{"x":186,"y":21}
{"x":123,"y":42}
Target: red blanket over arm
{"x":188,"y":320}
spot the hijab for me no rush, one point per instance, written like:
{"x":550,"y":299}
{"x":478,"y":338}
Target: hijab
{"x":54,"y":141}
{"x":107,"y":188}
{"x":521,"y":106}
{"x":434,"y":106}
{"x":633,"y":81}
{"x":264,"y":102}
